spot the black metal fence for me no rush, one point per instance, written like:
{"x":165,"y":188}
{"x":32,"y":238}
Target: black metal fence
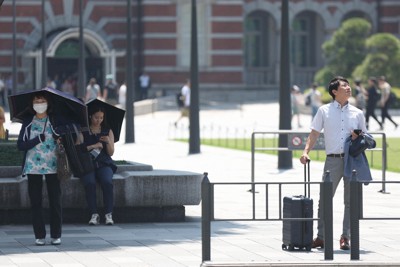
{"x":357,"y":214}
{"x":297,"y":141}
{"x":207,"y":194}
{"x":356,"y":211}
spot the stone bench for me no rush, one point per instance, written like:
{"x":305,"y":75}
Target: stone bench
{"x":141,"y":194}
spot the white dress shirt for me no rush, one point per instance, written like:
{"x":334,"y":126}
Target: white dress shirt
{"x":337,"y":123}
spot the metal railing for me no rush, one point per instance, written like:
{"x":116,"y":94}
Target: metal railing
{"x":207,"y":210}
{"x":298,"y":141}
{"x":326,"y":199}
{"x":357,"y":214}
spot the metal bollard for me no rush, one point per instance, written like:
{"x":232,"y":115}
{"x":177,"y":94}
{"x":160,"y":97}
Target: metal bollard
{"x":205,"y":219}
{"x":354,"y":218}
{"x":327,"y":216}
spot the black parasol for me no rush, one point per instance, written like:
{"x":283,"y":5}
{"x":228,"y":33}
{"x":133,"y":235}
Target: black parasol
{"x":63,"y":104}
{"x":113,"y":116}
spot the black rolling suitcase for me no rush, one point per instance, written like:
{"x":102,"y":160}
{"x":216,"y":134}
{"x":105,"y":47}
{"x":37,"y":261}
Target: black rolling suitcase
{"x":298,"y":234}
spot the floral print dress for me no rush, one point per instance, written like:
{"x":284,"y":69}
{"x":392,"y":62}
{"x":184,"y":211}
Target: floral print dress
{"x":42,"y":158}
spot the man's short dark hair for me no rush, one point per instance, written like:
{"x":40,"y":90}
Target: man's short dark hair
{"x":334,"y":84}
{"x":372,"y":79}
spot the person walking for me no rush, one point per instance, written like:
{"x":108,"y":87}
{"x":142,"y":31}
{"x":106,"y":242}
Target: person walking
{"x":145,"y":84}
{"x":360,"y":95}
{"x":338,"y":120}
{"x":92,"y":90}
{"x":99,"y":140}
{"x":385,"y":101}
{"x":185,"y":95}
{"x":37,"y":139}
{"x":110,"y":90}
{"x":122,"y":95}
{"x":294,"y":97}
{"x":372,"y":100}
{"x":315,"y":99}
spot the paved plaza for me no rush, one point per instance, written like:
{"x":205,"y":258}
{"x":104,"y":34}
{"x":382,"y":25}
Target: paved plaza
{"x":233,"y":243}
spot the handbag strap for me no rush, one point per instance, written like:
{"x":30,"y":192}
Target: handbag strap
{"x":45,"y":124}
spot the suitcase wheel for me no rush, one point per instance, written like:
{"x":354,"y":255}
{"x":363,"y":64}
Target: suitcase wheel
{"x":308,"y":248}
{"x":284,"y":247}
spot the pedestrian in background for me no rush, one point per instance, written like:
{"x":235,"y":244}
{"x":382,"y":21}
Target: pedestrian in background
{"x":315,"y":99}
{"x":145,"y":84}
{"x":360,"y":95}
{"x":185,"y":95}
{"x":295,"y":101}
{"x":385,"y":101}
{"x":110,"y":90}
{"x":92,"y":90}
{"x":328,"y":119}
{"x":372,"y":100}
{"x":122,"y":95}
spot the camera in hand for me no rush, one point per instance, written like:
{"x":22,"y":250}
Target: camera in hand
{"x":357,"y":131}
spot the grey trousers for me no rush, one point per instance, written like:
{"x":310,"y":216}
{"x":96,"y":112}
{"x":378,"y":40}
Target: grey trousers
{"x":336,"y":169}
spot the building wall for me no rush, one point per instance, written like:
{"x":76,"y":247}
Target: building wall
{"x":166,"y":35}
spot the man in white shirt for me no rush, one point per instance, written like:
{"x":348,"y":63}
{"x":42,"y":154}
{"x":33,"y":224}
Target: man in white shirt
{"x":122,"y":95}
{"x":92,"y":90}
{"x":338,"y":120}
{"x":185,"y":92}
{"x":145,"y":84}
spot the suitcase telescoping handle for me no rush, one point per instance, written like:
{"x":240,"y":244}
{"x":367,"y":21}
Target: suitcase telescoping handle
{"x":307,"y":179}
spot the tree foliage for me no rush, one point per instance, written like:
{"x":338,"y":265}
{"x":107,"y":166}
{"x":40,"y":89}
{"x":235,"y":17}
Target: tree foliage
{"x":345,"y":50}
{"x":383,"y":58}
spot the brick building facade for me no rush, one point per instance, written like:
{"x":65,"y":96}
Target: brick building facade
{"x":238,"y":40}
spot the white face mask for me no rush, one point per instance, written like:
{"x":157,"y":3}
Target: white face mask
{"x":40,"y":108}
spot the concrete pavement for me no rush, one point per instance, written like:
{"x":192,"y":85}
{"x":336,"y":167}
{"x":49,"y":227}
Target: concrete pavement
{"x":234,"y":243}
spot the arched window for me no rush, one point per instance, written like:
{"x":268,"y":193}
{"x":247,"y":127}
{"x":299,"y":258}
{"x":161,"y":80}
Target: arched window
{"x":70,"y":49}
{"x":257,"y":45}
{"x":259,"y":48}
{"x":303,"y":40}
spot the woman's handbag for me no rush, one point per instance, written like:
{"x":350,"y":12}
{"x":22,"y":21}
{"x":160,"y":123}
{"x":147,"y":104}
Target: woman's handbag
{"x":79,"y":158}
{"x":360,"y":144}
{"x":63,"y":169}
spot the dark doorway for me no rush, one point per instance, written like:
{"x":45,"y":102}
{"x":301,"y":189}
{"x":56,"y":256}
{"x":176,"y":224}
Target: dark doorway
{"x":67,"y":68}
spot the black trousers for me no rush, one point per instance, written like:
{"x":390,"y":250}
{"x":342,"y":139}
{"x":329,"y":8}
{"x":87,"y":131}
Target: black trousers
{"x":371,"y":113}
{"x":385,"y":113}
{"x":35,"y":184}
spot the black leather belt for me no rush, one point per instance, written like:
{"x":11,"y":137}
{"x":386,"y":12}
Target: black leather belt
{"x":336,"y":155}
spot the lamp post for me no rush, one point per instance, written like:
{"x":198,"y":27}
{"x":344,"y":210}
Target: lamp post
{"x":129,"y":127}
{"x":194,"y":128}
{"x":139,"y":49}
{"x":82,"y":56}
{"x":14,"y":50}
{"x":284,"y":157}
{"x":44,"y":61}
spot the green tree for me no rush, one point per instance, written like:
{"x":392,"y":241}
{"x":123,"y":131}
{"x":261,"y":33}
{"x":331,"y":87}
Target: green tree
{"x":345,"y":50}
{"x":383,"y":58}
